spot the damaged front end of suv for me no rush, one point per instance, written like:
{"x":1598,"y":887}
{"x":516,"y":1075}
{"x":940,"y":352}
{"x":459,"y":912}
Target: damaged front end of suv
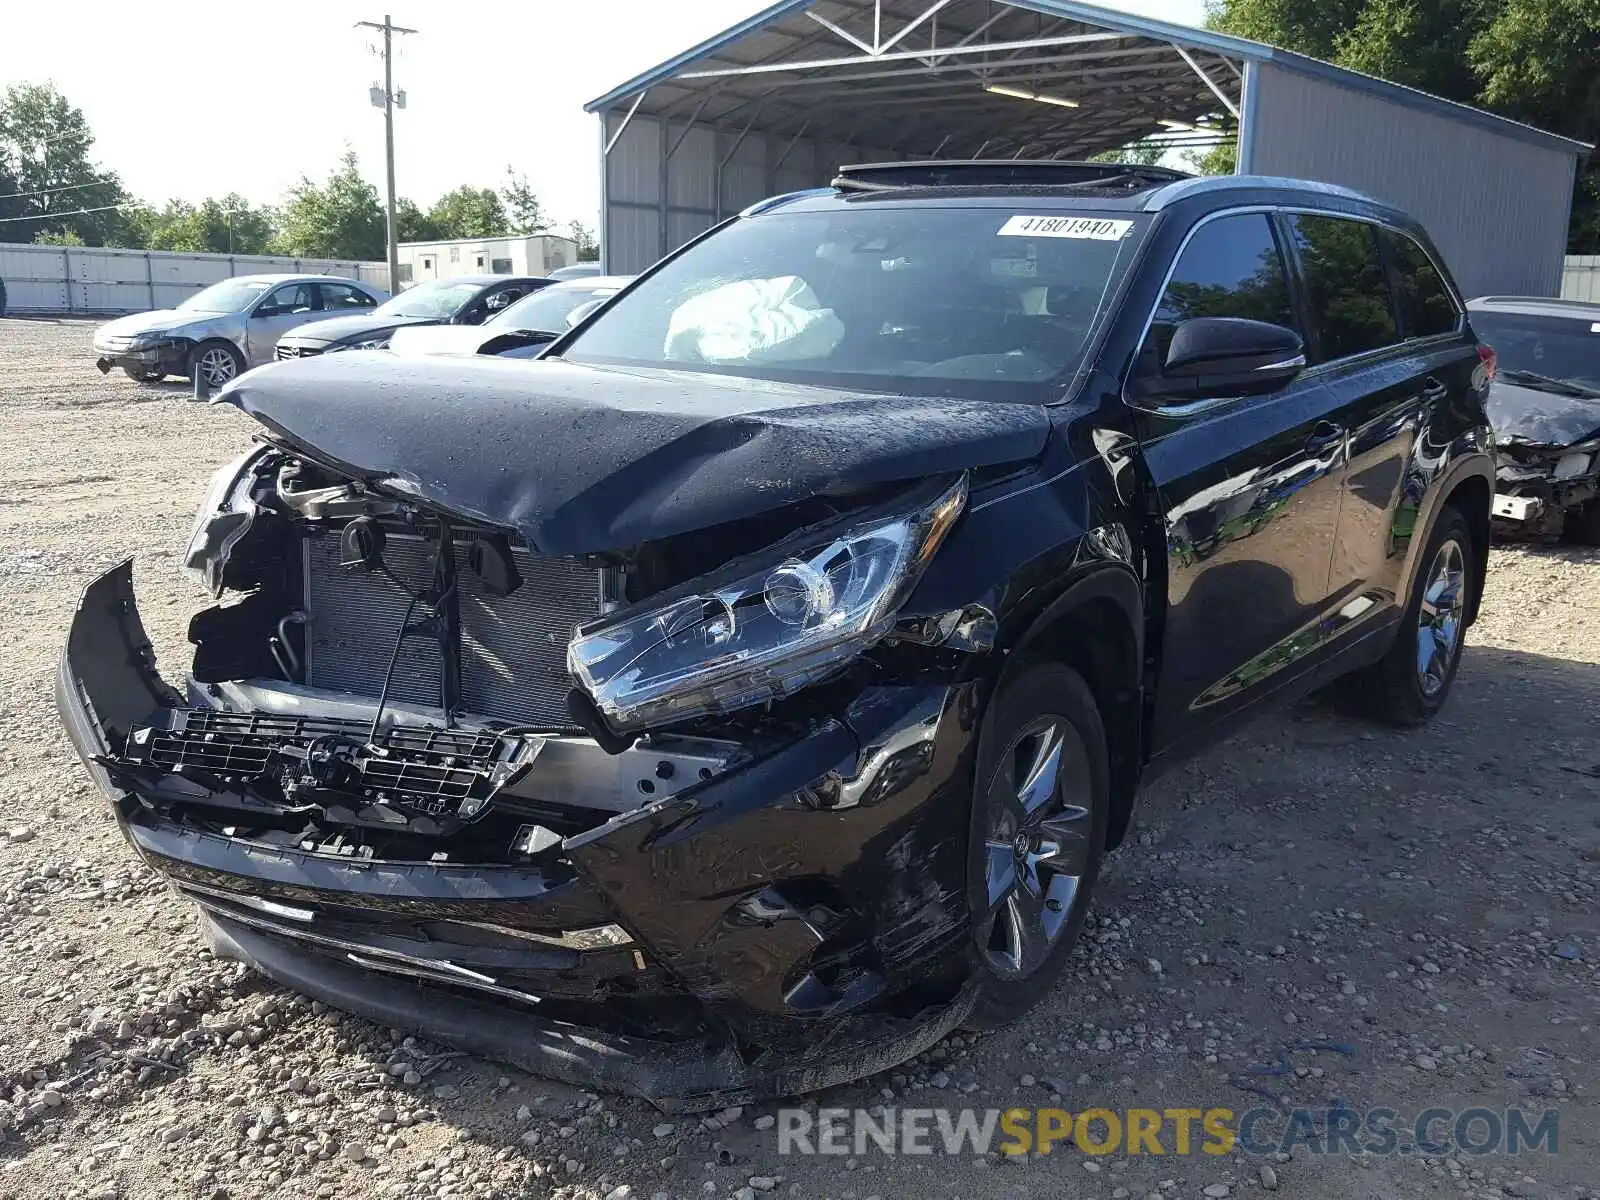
{"x":681,"y":815}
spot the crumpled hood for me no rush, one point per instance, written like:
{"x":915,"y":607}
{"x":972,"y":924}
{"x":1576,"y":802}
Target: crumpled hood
{"x":580,"y":459}
{"x":159,"y":321}
{"x":342,"y":329}
{"x":1525,"y":414}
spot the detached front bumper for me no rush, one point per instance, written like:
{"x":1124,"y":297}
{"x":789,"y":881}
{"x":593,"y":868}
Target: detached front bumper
{"x":792,"y":923}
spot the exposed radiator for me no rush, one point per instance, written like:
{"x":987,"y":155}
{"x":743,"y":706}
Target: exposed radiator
{"x":513,"y":648}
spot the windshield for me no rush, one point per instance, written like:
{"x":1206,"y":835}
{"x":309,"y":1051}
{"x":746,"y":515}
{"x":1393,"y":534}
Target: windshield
{"x":981,"y":302}
{"x":231,"y":295}
{"x":549,"y":310}
{"x":440,"y":300}
{"x":1534,"y":350}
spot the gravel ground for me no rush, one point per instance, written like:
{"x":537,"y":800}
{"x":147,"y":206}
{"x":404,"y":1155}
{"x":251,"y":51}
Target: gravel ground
{"x":1422,"y":905}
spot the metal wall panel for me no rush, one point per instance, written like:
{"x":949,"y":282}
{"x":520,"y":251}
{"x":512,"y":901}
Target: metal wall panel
{"x":1496,"y":206}
{"x":98,"y":279}
{"x":1580,"y":278}
{"x":709,"y":174}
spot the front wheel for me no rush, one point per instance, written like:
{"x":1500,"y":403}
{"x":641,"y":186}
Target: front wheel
{"x":1039,"y":815}
{"x":1410,"y":683}
{"x":216,"y":362}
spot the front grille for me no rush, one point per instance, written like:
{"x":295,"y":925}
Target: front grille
{"x":291,"y":352}
{"x":513,"y":648}
{"x":420,"y":764}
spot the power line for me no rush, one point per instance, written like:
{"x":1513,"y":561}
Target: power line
{"x":66,"y":187}
{"x":77,"y":212}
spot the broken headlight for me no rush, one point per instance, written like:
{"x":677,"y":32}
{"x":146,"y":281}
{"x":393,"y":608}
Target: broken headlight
{"x":765,"y":626}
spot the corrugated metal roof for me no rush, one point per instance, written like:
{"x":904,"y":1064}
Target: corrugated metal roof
{"x":913,"y":74}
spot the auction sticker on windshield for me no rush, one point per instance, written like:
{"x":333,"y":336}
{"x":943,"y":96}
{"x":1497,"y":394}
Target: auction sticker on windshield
{"x":1098,"y":229}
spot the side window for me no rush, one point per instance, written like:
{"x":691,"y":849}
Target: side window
{"x":289,"y":298}
{"x":342,"y":295}
{"x":1230,"y":268}
{"x":1426,"y":306}
{"x":1346,"y":285}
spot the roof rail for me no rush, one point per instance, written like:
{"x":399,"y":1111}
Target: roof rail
{"x":1003,"y":172}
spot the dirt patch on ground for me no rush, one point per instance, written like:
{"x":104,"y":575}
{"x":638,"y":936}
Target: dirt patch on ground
{"x":1319,"y":913}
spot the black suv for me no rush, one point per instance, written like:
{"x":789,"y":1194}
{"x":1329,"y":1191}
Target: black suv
{"x":743,"y":696}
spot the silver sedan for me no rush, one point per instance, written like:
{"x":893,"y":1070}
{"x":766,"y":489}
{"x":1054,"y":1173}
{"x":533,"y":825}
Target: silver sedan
{"x":228,"y":327}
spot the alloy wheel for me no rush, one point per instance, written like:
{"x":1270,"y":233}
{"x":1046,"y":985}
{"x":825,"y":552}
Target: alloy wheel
{"x":1036,"y":846}
{"x":217,"y":365}
{"x":1439,"y":618}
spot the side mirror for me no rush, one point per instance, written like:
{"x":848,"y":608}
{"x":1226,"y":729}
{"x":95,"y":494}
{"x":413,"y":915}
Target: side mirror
{"x":1228,"y":356}
{"x":267,"y":310}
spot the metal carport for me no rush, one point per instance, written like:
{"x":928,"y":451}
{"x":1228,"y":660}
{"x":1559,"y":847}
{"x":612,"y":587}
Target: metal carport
{"x":777,"y":102}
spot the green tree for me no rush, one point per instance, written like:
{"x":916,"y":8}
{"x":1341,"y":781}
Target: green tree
{"x":412,"y":224}
{"x":1136,"y":154}
{"x":340,"y":219}
{"x":47,"y":177}
{"x":523,"y":209}
{"x":588,"y":246}
{"x":230,"y":225}
{"x":469,"y":212}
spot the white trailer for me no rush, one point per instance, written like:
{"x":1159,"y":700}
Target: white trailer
{"x":530,"y":254}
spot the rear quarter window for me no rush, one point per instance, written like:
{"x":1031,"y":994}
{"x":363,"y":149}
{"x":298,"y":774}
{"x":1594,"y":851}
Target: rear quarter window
{"x":1426,"y":306}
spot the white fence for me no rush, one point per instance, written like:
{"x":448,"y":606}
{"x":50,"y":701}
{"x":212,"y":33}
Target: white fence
{"x":93,"y":279}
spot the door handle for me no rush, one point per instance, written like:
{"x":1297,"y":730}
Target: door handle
{"x":1324,"y":434}
{"x":1433,"y":388}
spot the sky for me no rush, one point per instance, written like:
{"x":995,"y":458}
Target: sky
{"x":190,"y":99}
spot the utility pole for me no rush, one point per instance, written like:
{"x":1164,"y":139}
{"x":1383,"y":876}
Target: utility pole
{"x":389,"y":29}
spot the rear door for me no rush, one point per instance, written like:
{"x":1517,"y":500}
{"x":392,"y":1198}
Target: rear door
{"x":1387,"y":340}
{"x":1249,"y":491}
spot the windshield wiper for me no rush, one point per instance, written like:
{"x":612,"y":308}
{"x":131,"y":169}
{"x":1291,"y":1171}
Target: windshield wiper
{"x":1546,"y":383}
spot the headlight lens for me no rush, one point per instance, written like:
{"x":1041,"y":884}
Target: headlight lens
{"x":760,"y":630}
{"x":143,"y":341}
{"x":373,"y":343}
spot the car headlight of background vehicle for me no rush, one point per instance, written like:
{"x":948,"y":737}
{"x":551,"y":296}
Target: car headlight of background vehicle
{"x":764,"y":626}
{"x":381,"y":342}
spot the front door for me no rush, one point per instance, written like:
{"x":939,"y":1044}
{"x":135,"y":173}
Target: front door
{"x":1248,"y":488}
{"x":285,"y":307}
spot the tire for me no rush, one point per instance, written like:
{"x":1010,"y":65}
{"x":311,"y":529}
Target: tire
{"x":221,"y":362}
{"x":1047,"y":838}
{"x":1583,"y":523}
{"x":1400,"y":688}
{"x":141,"y":375}
{"x":2,"y":298}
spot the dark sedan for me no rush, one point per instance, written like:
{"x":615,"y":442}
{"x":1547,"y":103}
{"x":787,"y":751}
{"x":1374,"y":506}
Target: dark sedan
{"x":459,"y":300}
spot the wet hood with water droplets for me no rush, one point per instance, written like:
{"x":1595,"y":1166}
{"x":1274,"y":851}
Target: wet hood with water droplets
{"x":581,"y":459}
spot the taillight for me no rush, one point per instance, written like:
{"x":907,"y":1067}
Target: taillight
{"x":1487,"y":357}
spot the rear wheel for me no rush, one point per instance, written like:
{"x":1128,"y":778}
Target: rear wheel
{"x":217,"y":362}
{"x":1038,"y":831}
{"x":1410,"y":683}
